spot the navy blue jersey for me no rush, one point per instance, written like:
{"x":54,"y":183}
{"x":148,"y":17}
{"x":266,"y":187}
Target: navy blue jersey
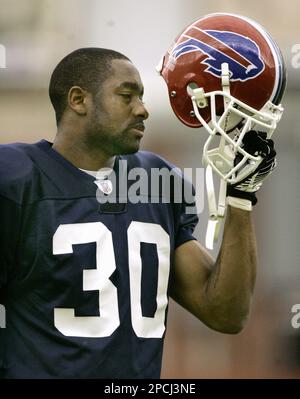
{"x":85,"y":285}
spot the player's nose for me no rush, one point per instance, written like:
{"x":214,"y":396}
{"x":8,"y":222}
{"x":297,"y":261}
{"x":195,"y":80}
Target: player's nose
{"x":140,"y":110}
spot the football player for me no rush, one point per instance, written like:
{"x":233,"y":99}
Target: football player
{"x":85,"y":283}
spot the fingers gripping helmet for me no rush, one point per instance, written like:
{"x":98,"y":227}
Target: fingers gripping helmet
{"x":224,"y":72}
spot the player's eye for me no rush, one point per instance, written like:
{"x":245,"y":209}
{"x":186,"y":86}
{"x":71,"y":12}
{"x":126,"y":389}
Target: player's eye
{"x":126,"y":96}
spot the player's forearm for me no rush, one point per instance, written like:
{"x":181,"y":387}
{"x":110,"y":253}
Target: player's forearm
{"x":230,"y":286}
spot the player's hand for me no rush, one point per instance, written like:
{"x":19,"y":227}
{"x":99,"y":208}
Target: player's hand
{"x":255,"y":143}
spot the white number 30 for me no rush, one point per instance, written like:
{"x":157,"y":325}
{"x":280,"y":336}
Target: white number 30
{"x":104,"y":325}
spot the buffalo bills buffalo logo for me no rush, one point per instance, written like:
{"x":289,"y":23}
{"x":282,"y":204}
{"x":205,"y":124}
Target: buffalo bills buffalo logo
{"x":240,"y":52}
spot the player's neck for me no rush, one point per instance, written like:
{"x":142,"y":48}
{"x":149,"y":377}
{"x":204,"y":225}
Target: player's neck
{"x":81,"y":157}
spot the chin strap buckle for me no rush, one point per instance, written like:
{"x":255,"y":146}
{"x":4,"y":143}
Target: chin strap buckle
{"x":201,"y":100}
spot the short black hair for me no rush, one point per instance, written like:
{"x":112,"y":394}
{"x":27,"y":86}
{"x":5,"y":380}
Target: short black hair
{"x":86,"y":67}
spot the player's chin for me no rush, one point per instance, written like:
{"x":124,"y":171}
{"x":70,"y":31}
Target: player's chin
{"x":132,"y":149}
{"x":131,"y":146}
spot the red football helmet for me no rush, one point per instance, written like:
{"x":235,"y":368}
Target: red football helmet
{"x":225,"y":72}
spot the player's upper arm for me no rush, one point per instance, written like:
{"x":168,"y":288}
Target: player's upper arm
{"x":191,"y":270}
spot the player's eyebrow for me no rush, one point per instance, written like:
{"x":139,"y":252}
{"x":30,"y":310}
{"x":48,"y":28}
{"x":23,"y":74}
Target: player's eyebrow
{"x":132,"y":86}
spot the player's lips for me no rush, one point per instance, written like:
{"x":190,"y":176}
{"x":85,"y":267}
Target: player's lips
{"x":138,"y":128}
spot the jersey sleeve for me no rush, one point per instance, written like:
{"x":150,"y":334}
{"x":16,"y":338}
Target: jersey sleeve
{"x":186,"y":217}
{"x":12,"y":166}
{"x":10,"y":215}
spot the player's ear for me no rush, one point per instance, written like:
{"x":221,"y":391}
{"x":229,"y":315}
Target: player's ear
{"x":77,"y":100}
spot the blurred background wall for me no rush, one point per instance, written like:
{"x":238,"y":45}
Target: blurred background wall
{"x":38,"y":33}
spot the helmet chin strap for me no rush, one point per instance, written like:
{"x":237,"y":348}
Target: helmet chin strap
{"x":217,"y":212}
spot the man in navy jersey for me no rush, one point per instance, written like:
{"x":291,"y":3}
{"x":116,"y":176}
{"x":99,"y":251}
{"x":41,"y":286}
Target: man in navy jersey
{"x":86,"y":284}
